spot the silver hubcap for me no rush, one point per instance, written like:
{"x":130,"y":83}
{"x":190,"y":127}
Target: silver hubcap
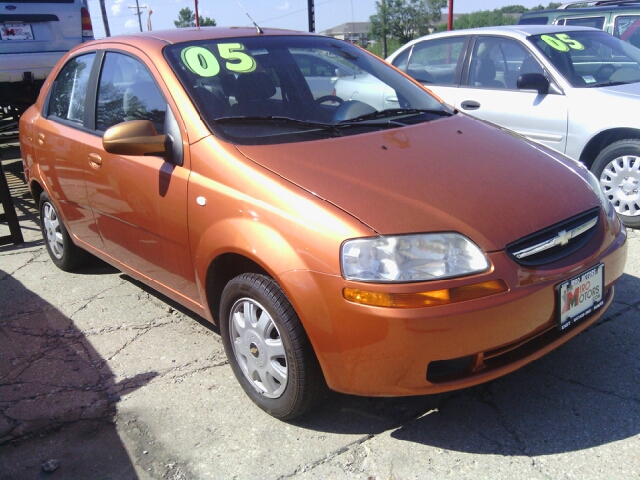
{"x":258,"y":347}
{"x":619,"y":182}
{"x":52,"y":230}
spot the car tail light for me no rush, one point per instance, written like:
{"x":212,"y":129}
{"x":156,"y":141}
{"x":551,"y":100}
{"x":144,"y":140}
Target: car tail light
{"x":87,"y":27}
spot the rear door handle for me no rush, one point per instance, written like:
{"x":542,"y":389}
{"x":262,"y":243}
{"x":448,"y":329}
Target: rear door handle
{"x":41,"y":139}
{"x":95,"y":160}
{"x":470,"y":105}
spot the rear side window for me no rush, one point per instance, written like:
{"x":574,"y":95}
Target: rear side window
{"x":70,"y":89}
{"x":593,"y":22}
{"x":126,"y":92}
{"x":533,"y":21}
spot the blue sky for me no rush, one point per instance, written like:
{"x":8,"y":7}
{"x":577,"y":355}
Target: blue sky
{"x":290,"y":14}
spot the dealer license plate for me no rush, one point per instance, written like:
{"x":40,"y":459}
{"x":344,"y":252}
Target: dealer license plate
{"x":16,"y":31}
{"x":580,"y":296}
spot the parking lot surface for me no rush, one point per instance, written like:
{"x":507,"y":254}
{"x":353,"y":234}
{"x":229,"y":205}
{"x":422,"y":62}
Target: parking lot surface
{"x":101,"y":377}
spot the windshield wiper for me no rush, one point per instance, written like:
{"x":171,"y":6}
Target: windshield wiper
{"x":272,"y":120}
{"x":386,"y":115}
{"x":606,"y":84}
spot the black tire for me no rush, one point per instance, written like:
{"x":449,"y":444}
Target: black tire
{"x":63,"y":252}
{"x":277,"y":335}
{"x":618,"y":169}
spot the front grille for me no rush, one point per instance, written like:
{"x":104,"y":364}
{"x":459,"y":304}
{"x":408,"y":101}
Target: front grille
{"x":555,"y":242}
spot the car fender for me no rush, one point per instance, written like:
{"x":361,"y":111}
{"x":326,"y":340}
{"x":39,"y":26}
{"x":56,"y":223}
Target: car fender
{"x":584,"y":126}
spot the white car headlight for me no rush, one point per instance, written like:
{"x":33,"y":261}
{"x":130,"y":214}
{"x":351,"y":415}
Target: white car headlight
{"x":411,"y":258}
{"x":595,"y":185}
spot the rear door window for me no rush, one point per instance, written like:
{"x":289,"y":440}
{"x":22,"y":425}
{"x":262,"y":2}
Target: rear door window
{"x":69,"y":92}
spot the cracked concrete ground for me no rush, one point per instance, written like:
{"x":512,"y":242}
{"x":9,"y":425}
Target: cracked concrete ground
{"x":115,"y":381}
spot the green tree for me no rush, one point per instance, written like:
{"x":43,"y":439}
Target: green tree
{"x":186,"y":18}
{"x":206,"y":21}
{"x":551,"y":6}
{"x":406,"y":19}
{"x":491,"y":18}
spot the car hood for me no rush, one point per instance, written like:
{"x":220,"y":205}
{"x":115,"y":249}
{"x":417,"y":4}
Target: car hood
{"x":626,"y":90}
{"x":455,"y":174}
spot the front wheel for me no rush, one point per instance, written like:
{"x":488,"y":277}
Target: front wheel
{"x":618,"y":169}
{"x":268,"y":349}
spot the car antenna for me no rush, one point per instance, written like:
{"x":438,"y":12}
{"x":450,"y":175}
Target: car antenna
{"x":252,"y":21}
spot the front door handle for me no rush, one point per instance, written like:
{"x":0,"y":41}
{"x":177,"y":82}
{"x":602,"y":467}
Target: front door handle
{"x":470,"y":105}
{"x":95,"y":160}
{"x":41,"y":138}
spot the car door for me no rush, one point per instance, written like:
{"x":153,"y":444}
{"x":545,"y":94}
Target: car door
{"x":139,"y":202}
{"x":489,"y":91}
{"x":60,"y":146}
{"x":436,"y":64}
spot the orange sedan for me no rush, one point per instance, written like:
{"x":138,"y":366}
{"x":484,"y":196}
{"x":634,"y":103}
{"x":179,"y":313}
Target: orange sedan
{"x":402,"y":251}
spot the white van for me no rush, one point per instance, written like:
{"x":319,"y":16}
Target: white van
{"x":33,"y":37}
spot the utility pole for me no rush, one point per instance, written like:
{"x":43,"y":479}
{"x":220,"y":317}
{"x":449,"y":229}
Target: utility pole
{"x":312,"y":16}
{"x":450,"y":23}
{"x":139,"y":13}
{"x":384,"y":29}
{"x":197,"y":16}
{"x":105,"y":21}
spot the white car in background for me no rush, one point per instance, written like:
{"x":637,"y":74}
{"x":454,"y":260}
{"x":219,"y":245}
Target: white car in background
{"x":573,"y":89}
{"x":321,"y":71}
{"x":33,"y":37}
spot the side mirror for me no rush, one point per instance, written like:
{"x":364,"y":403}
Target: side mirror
{"x":135,"y":137}
{"x":534,"y":81}
{"x":340,"y":73}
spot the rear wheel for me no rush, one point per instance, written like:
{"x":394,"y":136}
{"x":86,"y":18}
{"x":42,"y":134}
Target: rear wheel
{"x":268,"y":349}
{"x":618,"y":169}
{"x":62,"y":250}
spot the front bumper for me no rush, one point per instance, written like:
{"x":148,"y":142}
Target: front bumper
{"x":377,"y":351}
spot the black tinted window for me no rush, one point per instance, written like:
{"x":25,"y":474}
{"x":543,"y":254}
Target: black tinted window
{"x":594,"y":22}
{"x":127,"y":91}
{"x":533,"y":21}
{"x":70,"y":88}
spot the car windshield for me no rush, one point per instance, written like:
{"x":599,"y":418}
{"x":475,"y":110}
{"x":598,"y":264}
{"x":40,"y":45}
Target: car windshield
{"x":590,"y":58}
{"x":275,"y":89}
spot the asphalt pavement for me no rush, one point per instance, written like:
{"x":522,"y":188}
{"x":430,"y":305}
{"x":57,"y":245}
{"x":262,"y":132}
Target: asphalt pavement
{"x":103,"y":378}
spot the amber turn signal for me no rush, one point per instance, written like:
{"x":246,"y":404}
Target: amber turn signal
{"x":425,"y":299}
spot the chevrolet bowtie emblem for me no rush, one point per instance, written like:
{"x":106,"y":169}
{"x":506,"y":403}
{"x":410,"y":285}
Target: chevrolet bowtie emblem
{"x":561,"y":239}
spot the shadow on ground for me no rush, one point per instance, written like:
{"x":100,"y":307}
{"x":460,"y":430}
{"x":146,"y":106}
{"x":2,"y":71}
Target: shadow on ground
{"x":56,"y":394}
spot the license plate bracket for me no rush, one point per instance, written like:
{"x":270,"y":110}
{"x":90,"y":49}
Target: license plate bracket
{"x":16,"y":31}
{"x":580,"y":296}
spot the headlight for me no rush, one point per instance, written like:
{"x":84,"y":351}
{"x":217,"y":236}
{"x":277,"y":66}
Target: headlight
{"x":411,"y":258}
{"x":595,"y":185}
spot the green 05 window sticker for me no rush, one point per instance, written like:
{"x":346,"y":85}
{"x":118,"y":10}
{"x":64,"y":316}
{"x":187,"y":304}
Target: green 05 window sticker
{"x":200,"y":61}
{"x":562,"y":42}
{"x":203,"y":62}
